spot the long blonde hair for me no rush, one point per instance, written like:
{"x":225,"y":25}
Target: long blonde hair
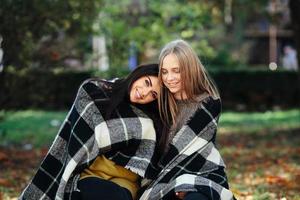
{"x":194,"y":79}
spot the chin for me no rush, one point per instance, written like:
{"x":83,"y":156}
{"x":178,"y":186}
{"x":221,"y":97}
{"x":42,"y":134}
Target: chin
{"x":132,"y":100}
{"x":174,"y":91}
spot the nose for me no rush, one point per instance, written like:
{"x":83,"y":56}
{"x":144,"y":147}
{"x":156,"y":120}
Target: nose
{"x":146,"y":91}
{"x":170,"y":77}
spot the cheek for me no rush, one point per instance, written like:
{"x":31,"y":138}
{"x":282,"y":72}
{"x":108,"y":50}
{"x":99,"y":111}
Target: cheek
{"x":131,"y":92}
{"x":134,"y":84}
{"x":163,"y":78}
{"x":178,"y":76}
{"x":132,"y":100}
{"x":149,"y":99}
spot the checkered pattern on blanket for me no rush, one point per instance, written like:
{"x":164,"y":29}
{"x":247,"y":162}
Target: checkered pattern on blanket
{"x":193,"y":164}
{"x":130,"y":135}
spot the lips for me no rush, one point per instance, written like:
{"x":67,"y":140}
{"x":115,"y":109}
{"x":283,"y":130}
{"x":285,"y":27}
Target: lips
{"x":172,"y":85}
{"x":137,"y":94}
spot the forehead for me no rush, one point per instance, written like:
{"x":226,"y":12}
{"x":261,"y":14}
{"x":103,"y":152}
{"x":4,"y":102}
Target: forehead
{"x":170,"y":61}
{"x":155,"y":82}
{"x":154,"y":79}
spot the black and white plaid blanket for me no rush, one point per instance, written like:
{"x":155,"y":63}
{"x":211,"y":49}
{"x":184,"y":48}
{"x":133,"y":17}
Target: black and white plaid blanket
{"x":128,"y":138}
{"x":193,"y":163}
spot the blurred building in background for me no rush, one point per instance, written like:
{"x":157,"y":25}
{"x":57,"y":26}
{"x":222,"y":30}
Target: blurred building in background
{"x":271,"y":37}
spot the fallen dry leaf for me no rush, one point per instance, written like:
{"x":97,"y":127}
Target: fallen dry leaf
{"x":3,"y":156}
{"x":5,"y":182}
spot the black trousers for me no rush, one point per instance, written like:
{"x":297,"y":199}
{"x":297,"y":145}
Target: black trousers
{"x":195,"y":196}
{"x":93,"y":188}
{"x":188,"y":196}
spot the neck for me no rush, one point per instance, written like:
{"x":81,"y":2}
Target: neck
{"x":180,"y":96}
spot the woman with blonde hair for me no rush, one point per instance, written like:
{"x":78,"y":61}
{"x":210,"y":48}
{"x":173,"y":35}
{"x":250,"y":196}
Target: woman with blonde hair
{"x":190,"y":106}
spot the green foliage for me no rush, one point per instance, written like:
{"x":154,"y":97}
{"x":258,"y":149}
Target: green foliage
{"x":46,"y":33}
{"x":33,"y":31}
{"x":152,"y":24}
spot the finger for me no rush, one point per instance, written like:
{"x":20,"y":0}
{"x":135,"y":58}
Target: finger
{"x":180,"y":195}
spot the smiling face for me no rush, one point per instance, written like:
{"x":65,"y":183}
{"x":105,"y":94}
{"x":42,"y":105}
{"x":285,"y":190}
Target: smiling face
{"x":144,"y":90}
{"x":171,"y":77}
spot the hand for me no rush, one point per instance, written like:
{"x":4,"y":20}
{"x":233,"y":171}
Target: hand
{"x":180,"y":195}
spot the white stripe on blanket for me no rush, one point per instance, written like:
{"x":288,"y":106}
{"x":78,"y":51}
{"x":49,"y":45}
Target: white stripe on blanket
{"x":226,"y":194}
{"x":102,"y":135}
{"x":69,"y":169}
{"x":124,"y":127}
{"x":148,"y":131}
{"x":214,"y":156}
{"x":194,"y":146}
{"x":186,"y":179}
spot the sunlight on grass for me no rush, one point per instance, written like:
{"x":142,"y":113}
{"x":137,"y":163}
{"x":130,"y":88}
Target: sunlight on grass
{"x":256,"y":121}
{"x":36,"y":127}
{"x":39,"y":127}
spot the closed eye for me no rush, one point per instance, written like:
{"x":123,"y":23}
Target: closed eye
{"x":164,"y":71}
{"x":176,"y":70}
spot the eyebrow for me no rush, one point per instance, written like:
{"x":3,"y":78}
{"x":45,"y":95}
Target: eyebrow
{"x":150,"y":81}
{"x":175,"y":67}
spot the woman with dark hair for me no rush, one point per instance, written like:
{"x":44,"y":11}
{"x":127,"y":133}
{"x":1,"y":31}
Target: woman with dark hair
{"x":107,"y":143}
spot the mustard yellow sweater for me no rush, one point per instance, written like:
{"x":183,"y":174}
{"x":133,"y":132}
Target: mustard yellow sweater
{"x":108,"y":170}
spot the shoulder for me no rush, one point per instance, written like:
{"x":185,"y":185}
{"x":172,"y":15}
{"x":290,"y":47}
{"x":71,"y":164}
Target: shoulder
{"x":209,"y":110}
{"x":95,"y":88}
{"x":210,"y":100}
{"x":211,"y":104}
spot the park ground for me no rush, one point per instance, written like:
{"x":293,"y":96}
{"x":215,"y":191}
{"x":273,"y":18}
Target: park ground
{"x":261,"y":151}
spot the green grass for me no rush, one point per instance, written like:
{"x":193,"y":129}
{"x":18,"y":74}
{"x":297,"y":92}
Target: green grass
{"x":36,"y":126}
{"x":259,"y":121}
{"x":258,"y":148}
{"x":30,"y":126}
